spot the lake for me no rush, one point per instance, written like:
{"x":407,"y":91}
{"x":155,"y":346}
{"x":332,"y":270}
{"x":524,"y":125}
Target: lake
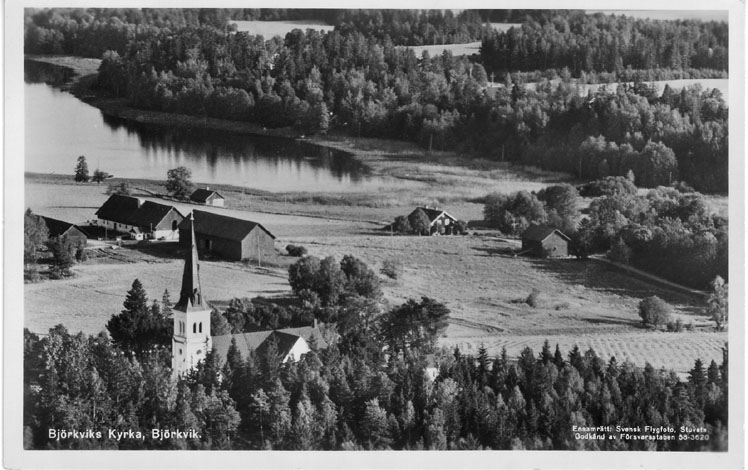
{"x":59,"y":127}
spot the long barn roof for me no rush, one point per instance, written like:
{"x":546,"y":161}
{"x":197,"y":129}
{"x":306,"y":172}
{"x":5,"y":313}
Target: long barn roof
{"x":221,"y":226}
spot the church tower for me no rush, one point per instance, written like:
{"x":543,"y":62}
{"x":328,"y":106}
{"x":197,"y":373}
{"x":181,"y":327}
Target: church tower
{"x":191,"y":340}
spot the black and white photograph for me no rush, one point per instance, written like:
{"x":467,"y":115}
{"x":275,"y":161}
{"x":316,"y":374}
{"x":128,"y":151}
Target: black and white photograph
{"x":353,"y":229}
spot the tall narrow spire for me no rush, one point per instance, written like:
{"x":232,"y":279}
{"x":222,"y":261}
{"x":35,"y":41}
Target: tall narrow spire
{"x":191,"y":296}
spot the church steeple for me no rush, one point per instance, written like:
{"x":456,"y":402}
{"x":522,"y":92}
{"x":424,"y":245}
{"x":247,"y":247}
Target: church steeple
{"x":191,"y":296}
{"x":191,"y":340}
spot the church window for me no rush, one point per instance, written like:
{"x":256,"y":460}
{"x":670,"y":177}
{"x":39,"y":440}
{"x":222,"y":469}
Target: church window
{"x":194,"y":327}
{"x":201,"y":327}
{"x":180,"y":352}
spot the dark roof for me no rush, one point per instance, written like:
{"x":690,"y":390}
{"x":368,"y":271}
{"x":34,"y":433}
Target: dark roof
{"x":202,"y":195}
{"x":284,"y":343}
{"x":191,"y":294}
{"x":127,"y":210}
{"x":152,"y":213}
{"x":286,"y":338}
{"x":221,"y":226}
{"x":120,"y":209}
{"x":434,"y":214}
{"x":538,"y":233}
{"x":58,"y":227}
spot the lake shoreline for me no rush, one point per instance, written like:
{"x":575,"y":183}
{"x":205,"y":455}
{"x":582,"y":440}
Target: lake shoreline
{"x":402,"y":160}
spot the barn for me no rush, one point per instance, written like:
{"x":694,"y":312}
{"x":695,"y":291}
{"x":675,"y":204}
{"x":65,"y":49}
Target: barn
{"x":140,"y":219}
{"x":544,"y":241}
{"x":58,"y":228}
{"x":229,"y":237}
{"x":208,"y":197}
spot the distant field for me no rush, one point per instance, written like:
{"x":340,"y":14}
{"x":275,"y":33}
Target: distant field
{"x":468,"y":48}
{"x":703,"y":15}
{"x":721,"y":84}
{"x":505,"y":26}
{"x":268,"y":29}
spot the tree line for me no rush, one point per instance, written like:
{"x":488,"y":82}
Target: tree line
{"x":606,"y":43}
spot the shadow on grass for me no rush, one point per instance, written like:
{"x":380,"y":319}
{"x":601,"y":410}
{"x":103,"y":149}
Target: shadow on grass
{"x":604,"y":277}
{"x":506,"y":251}
{"x":608,"y":320}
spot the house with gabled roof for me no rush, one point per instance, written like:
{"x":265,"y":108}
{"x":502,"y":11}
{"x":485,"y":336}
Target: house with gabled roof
{"x":140,"y":219}
{"x":208,"y":197}
{"x":58,"y":228}
{"x":440,"y":221}
{"x":545,"y":241}
{"x":229,"y":237}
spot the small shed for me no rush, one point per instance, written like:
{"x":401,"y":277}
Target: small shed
{"x":59,"y":228}
{"x":208,"y":197}
{"x":544,"y":241}
{"x":229,"y":237}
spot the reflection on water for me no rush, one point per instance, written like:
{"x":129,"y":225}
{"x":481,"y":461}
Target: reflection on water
{"x":59,"y":128}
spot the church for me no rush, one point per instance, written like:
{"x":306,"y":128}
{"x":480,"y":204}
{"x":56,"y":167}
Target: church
{"x":192,"y":338}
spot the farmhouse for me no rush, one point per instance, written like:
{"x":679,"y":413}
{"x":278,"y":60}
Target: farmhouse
{"x":58,"y":228}
{"x":208,"y":197}
{"x":140,"y":219}
{"x":544,"y":241}
{"x":439,"y":221}
{"x":229,"y":237}
{"x":192,"y":340}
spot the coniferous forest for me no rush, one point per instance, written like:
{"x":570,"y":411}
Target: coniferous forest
{"x":360,"y":80}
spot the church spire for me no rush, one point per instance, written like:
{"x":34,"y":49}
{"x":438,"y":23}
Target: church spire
{"x":191,"y":296}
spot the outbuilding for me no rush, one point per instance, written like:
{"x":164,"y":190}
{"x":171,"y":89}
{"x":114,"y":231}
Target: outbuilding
{"x":208,"y":197}
{"x":59,"y":228}
{"x":544,"y":241}
{"x":229,"y":237}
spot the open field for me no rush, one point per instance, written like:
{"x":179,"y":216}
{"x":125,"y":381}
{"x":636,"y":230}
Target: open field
{"x":703,"y":15}
{"x":505,"y":26}
{"x":268,"y":29}
{"x":585,"y":303}
{"x":86,"y":302}
{"x":468,"y":48}
{"x":721,"y":84}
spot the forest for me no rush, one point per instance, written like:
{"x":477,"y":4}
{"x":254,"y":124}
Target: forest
{"x":359,"y":81}
{"x":349,"y":400}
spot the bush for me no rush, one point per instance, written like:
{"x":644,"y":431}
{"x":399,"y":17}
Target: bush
{"x":297,"y":251}
{"x":533,"y":300}
{"x":391,"y":268}
{"x":81,"y":255}
{"x":675,"y":326}
{"x":655,"y":311}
